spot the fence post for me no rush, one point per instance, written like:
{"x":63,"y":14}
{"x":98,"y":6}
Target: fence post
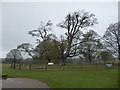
{"x":45,"y":67}
{"x":81,"y":65}
{"x":30,"y":66}
{"x":63,"y":66}
{"x":96,"y":65}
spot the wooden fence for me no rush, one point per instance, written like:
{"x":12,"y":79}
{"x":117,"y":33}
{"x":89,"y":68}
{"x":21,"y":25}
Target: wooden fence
{"x":94,"y":66}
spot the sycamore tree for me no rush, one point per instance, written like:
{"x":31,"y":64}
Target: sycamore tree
{"x":14,"y":55}
{"x":90,"y":46}
{"x":106,"y":56}
{"x":112,"y":39}
{"x":73,"y":23}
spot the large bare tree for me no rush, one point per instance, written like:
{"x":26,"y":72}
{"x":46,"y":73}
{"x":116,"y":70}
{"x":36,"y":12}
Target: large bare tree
{"x":112,"y":39}
{"x":73,"y":23}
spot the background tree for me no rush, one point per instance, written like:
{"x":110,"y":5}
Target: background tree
{"x":61,"y":47}
{"x":106,"y":56}
{"x":112,"y":39}
{"x":27,"y":48}
{"x":13,"y":56}
{"x":74,"y":22}
{"x":43,"y":37}
{"x":90,"y":45}
{"x":42,"y":31}
{"x":47,"y":49}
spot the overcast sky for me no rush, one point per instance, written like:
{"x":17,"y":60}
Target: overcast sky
{"x":19,"y":18}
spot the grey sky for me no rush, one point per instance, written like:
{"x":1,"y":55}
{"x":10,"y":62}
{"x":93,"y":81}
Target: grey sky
{"x":0,"y":29}
{"x":19,"y":18}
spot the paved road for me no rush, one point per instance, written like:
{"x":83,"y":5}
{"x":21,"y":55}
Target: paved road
{"x":0,"y":84}
{"x":23,"y":83}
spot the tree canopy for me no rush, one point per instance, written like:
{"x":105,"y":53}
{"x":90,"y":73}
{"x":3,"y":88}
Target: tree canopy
{"x":75,"y":42}
{"x":90,"y":45}
{"x":74,"y":22}
{"x":112,"y":39}
{"x":14,"y":55}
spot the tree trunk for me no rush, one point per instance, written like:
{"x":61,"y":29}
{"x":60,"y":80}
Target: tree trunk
{"x":14,"y":64}
{"x":62,"y":60}
{"x":19,"y":66}
{"x":89,"y":55}
{"x":104,"y":62}
{"x":119,"y":55}
{"x":90,"y":61}
{"x":63,"y":67}
{"x":11,"y":65}
{"x":48,"y":59}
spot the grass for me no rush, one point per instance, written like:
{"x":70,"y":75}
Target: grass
{"x":69,"y":79}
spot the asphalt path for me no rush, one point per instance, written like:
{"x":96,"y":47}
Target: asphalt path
{"x":23,"y":83}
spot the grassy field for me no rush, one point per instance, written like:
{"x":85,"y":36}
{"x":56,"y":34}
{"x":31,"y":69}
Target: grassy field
{"x":107,"y":78}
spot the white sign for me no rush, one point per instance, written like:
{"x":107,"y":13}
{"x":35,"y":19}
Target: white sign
{"x":50,"y":63}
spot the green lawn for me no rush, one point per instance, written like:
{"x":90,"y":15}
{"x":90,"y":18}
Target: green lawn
{"x":69,"y":79}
